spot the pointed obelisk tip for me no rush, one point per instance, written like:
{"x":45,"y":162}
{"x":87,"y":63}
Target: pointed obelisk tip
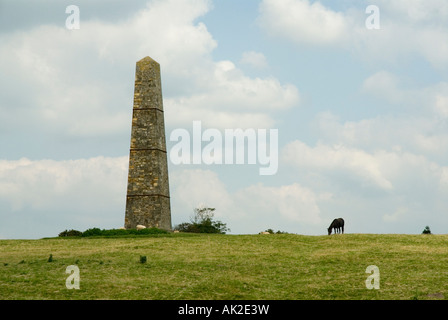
{"x":146,"y":60}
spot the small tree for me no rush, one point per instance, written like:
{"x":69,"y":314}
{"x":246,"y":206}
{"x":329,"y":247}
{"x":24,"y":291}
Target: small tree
{"x":202,"y":222}
{"x":202,"y":214}
{"x":426,"y":230}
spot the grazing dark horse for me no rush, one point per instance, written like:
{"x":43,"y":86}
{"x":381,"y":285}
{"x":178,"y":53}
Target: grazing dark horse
{"x":337,"y":225}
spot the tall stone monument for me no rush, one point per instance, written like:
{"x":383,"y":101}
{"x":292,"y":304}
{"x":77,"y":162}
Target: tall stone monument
{"x":148,"y":195}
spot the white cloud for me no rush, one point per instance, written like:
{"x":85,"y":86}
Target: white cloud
{"x":407,"y":28}
{"x":434,"y":11}
{"x":444,"y":179}
{"x":398,"y":214}
{"x":394,"y":173}
{"x":41,"y":198}
{"x":412,"y":118}
{"x":420,"y":135}
{"x":182,"y":112}
{"x":232,"y":99}
{"x":393,"y":89}
{"x":352,"y":162}
{"x":292,"y":203}
{"x":254,"y":59}
{"x":248,"y":210}
{"x":384,"y":85}
{"x":79,"y":83}
{"x":302,"y":22}
{"x":87,"y":184}
{"x":190,"y":188}
{"x":441,"y":104}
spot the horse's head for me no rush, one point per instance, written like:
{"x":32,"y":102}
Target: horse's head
{"x":329,"y":231}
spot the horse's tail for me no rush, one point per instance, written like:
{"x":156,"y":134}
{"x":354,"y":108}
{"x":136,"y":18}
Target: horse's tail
{"x":342,"y":222}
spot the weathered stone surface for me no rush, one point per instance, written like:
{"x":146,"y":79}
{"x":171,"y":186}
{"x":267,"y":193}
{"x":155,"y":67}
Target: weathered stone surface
{"x":148,"y":196}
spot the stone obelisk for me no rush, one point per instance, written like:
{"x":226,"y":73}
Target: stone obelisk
{"x":148,"y":195}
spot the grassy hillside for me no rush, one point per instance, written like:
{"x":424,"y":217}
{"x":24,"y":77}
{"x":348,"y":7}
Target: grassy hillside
{"x":186,"y":266}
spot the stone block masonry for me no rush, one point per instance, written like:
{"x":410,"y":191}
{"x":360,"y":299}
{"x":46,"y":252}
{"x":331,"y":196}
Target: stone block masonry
{"x":148,"y":196}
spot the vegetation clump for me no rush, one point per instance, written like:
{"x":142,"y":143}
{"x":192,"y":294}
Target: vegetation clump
{"x":271,"y":231}
{"x":93,"y":232}
{"x":426,"y":230}
{"x":202,"y":222}
{"x":70,"y":233}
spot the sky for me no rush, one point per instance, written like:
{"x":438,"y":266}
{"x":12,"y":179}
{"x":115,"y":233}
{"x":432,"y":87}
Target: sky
{"x":359,"y":99}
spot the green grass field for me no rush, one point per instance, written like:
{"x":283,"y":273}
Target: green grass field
{"x":201,"y":266}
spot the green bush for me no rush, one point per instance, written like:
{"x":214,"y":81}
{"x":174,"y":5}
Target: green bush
{"x":202,"y":222}
{"x":121,"y":232}
{"x":152,"y":231}
{"x":92,"y":232}
{"x":426,"y":230}
{"x":112,"y":232}
{"x":271,"y":231}
{"x":70,"y":233}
